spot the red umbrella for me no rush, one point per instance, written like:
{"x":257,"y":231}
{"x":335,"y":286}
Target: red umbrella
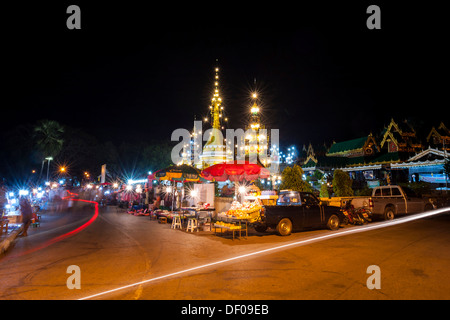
{"x":235,"y":171}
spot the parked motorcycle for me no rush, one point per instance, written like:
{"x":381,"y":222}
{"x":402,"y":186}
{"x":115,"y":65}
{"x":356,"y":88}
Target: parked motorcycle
{"x":356,"y":216}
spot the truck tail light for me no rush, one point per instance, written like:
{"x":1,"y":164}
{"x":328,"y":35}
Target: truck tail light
{"x":370,"y":203}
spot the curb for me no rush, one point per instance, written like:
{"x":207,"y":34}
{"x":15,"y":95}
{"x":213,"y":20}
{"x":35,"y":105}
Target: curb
{"x":6,"y":243}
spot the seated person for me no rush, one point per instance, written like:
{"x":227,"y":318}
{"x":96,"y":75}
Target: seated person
{"x":156,"y":204}
{"x":226,"y":191}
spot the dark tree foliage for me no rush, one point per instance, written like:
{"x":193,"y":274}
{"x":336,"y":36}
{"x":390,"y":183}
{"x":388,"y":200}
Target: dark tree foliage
{"x":25,"y":148}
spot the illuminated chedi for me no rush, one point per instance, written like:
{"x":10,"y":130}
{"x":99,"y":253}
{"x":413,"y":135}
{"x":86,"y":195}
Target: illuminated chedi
{"x":252,"y":145}
{"x":256,"y":135}
{"x":214,"y":150}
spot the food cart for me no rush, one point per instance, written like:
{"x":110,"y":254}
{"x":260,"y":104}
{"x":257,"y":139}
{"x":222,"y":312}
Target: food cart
{"x":242,"y":215}
{"x":267,"y":197}
{"x":238,"y":217}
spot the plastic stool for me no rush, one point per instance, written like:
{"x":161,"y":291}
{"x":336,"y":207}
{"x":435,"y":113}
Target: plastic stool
{"x":176,"y":222}
{"x":192,"y":225}
{"x":35,"y":222}
{"x":162,"y":220}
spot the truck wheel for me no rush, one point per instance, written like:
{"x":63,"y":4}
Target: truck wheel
{"x":333,"y":222}
{"x":284,"y":227}
{"x":389,"y":213}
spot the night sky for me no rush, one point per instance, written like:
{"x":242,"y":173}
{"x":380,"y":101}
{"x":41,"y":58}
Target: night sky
{"x":135,"y":72}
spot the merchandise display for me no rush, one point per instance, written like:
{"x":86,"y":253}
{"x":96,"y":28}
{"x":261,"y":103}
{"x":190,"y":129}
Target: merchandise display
{"x":227,"y":225}
{"x":247,"y":210}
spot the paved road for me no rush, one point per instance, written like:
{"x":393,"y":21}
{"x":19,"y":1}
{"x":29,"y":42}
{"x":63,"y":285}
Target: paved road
{"x":117,"y":250}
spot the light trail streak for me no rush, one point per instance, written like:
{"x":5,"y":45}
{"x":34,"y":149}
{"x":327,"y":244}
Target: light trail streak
{"x":331,"y":235}
{"x":65,"y":235}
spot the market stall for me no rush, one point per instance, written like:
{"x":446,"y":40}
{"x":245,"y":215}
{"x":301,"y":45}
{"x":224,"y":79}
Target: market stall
{"x":188,"y":201}
{"x":126,"y":196}
{"x":12,"y":211}
{"x":238,"y":218}
{"x":245,"y":212}
{"x":235,"y":171}
{"x":248,"y":211}
{"x":177,"y":175}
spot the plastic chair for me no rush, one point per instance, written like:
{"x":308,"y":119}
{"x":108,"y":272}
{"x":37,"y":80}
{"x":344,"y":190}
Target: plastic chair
{"x":204,"y":221}
{"x":205,"y":224}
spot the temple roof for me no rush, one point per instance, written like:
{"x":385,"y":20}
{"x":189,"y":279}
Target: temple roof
{"x":346,"y":146}
{"x":343,"y":162}
{"x":440,"y":132}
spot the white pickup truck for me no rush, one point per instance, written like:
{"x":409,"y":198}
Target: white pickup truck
{"x":386,"y":202}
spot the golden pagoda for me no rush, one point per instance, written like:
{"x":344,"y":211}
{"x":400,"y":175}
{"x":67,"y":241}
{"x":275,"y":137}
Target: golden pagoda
{"x":214,"y":151}
{"x":256,"y":136}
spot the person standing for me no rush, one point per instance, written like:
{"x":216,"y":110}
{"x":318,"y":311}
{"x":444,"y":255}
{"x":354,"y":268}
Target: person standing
{"x":27,"y":215}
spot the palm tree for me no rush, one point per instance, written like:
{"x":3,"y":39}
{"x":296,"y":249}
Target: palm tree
{"x":48,"y":138}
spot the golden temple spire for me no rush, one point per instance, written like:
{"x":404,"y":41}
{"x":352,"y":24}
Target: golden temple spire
{"x":216,"y":108}
{"x":214,"y":150}
{"x":255,"y":118}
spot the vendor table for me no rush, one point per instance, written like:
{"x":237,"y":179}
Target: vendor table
{"x":14,"y":218}
{"x":198,"y":209}
{"x":243,"y":226}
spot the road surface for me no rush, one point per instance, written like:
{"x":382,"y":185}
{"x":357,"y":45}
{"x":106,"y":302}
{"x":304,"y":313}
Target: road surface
{"x":152,"y":262}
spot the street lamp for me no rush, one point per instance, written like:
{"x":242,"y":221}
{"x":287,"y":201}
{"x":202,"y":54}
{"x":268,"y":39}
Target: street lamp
{"x":48,"y":166}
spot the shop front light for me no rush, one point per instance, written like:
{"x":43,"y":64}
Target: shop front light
{"x":194,"y":193}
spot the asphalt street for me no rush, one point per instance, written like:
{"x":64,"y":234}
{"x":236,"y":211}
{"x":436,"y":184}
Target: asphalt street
{"x":121,"y":256}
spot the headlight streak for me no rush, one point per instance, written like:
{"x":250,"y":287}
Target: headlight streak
{"x":65,"y":235}
{"x":332,"y":234}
